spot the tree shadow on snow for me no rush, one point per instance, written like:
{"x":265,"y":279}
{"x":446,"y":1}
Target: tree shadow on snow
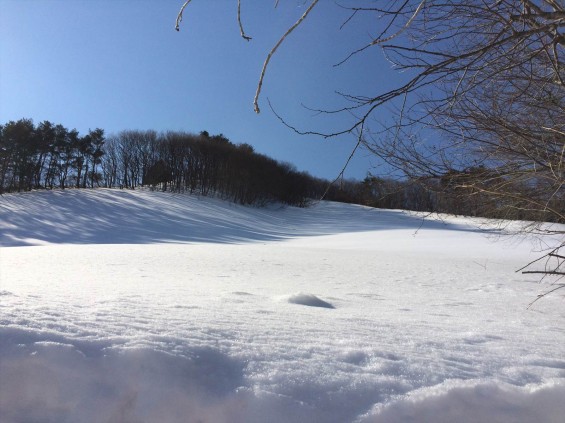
{"x":105,"y":216}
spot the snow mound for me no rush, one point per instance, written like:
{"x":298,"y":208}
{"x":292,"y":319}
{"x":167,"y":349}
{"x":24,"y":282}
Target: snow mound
{"x":308,"y":300}
{"x":474,"y":402}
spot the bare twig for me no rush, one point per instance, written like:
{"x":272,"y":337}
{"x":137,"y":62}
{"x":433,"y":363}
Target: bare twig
{"x":552,"y":253}
{"x":273,"y":50}
{"x":545,"y":294}
{"x":179,"y":15}
{"x":380,"y":40}
{"x":340,"y":175}
{"x":241,"y":31}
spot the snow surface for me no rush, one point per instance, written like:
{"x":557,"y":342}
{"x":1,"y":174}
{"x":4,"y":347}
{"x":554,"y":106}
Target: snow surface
{"x":139,"y":306}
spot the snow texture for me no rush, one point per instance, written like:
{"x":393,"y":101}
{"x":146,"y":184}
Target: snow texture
{"x":138,"y":306}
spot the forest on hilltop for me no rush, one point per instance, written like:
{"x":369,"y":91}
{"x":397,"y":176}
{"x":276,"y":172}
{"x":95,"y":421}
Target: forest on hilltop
{"x":49,"y":156}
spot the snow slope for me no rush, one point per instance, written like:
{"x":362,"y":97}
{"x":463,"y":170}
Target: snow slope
{"x":138,"y":306}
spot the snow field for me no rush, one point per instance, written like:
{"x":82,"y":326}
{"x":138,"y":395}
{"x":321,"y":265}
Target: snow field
{"x":139,"y":306}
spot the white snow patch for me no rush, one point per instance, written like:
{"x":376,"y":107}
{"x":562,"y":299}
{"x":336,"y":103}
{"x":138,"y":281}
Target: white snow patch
{"x":476,"y":402}
{"x":145,"y":306}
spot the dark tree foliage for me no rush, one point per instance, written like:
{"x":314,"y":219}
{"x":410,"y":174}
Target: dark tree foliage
{"x":48,"y":156}
{"x":203,"y":164}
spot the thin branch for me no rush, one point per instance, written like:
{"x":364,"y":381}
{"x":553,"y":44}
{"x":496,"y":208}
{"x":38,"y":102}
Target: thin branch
{"x":179,"y":16}
{"x":241,"y":31}
{"x":553,"y":130}
{"x":348,"y":20}
{"x":359,"y":140}
{"x":380,"y":40}
{"x":540,"y":296}
{"x":274,"y":49}
{"x":404,"y":27}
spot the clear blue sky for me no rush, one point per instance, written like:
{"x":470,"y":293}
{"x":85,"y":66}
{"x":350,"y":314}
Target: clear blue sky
{"x":119,"y":64}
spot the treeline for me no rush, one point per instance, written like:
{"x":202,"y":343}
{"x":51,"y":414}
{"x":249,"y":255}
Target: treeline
{"x":466,"y":192}
{"x":47,"y":156}
{"x":204,"y":164}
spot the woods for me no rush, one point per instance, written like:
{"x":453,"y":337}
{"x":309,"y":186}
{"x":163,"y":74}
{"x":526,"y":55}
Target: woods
{"x":204,"y":164}
{"x":49,"y":156}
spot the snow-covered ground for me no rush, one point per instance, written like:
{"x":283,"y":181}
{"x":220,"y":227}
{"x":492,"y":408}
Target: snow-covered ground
{"x":138,"y":306}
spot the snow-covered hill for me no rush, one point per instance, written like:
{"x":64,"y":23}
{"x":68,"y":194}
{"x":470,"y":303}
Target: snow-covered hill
{"x":138,"y":306}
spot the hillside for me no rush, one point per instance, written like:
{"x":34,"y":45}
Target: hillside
{"x":138,"y":306}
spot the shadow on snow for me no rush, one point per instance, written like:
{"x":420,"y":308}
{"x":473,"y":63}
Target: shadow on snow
{"x":106,"y":216}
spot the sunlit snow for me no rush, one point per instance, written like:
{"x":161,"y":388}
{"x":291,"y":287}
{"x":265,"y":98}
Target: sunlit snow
{"x":138,"y":306}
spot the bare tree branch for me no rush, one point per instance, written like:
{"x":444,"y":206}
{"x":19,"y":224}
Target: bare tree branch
{"x":273,"y":50}
{"x":545,"y":294}
{"x":342,"y":172}
{"x":380,"y":39}
{"x":241,"y":31}
{"x":179,"y":15}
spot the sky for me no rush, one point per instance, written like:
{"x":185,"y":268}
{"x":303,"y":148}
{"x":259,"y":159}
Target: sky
{"x":119,"y":64}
